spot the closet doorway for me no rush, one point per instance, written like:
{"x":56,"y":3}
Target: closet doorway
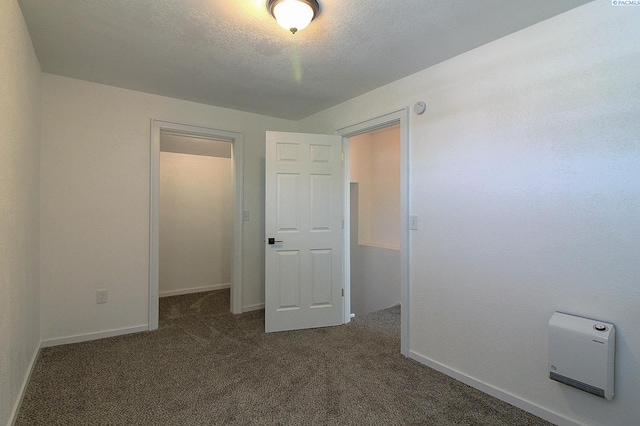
{"x":200,"y":245}
{"x":196,"y":214}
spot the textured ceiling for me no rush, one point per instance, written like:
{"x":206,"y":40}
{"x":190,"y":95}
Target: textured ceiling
{"x":232,"y":53}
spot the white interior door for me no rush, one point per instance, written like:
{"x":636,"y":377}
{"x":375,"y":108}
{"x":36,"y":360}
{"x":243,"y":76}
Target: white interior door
{"x":304,"y":231}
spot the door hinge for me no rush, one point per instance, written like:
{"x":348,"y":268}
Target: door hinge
{"x":342,"y":155}
{"x":343,"y":292}
{"x":343,"y":224}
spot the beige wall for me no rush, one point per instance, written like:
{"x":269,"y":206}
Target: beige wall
{"x":95,"y":202}
{"x":524,"y":175}
{"x":196,"y":222}
{"x":375,"y":166}
{"x":20,"y":84}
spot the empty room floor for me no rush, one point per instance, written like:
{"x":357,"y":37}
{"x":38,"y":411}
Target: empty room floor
{"x":205,"y":366}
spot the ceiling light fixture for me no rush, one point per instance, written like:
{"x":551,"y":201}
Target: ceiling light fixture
{"x":293,"y":15}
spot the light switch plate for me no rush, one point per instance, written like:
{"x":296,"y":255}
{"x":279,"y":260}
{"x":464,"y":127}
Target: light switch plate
{"x":413,"y":222}
{"x":101,"y":296}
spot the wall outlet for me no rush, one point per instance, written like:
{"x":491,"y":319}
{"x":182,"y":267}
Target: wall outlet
{"x":101,"y":296}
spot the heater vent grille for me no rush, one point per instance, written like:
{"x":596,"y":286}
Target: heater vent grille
{"x":577,"y":384}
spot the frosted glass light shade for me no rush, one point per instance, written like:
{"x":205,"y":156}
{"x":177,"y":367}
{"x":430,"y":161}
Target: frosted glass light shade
{"x":293,"y":15}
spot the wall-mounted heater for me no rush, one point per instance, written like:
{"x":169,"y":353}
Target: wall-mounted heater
{"x":581,"y":353}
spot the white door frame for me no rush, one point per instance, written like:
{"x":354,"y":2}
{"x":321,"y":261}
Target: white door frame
{"x":237,"y":143}
{"x":397,"y":117}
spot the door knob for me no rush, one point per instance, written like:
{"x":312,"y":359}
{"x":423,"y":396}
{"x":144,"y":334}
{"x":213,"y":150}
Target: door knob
{"x":273,"y":241}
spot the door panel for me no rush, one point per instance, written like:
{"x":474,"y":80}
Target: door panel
{"x":287,"y":194}
{"x":321,"y":278}
{"x":288,"y":277}
{"x":304,"y":210}
{"x":320,"y":203}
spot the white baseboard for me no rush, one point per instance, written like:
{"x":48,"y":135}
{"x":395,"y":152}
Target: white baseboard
{"x":193,"y":290}
{"x":250,"y":308}
{"x":92,"y":336}
{"x":23,"y":388}
{"x":495,"y":392}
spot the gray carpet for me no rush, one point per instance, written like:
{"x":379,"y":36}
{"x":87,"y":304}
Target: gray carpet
{"x":204,"y":366}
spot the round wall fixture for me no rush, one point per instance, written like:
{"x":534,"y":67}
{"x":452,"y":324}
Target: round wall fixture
{"x":419,"y":107}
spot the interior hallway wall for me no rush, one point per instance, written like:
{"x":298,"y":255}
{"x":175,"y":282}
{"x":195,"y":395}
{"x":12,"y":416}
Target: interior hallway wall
{"x":196,"y":222}
{"x":375,"y":165}
{"x":524,"y":175}
{"x":95,"y":178}
{"x":20,"y":96}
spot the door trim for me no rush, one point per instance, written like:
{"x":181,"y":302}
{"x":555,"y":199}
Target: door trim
{"x":397,"y":117}
{"x":237,"y":143}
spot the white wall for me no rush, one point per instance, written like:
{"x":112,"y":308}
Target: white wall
{"x":525,"y":177}
{"x":375,"y":278}
{"x":20,"y":88}
{"x":95,"y":201}
{"x":196,"y":222}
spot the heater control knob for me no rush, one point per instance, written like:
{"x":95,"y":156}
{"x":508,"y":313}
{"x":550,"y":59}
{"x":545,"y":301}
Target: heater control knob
{"x":600,"y":327}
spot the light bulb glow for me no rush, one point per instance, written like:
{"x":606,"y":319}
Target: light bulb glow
{"x":293,"y":15}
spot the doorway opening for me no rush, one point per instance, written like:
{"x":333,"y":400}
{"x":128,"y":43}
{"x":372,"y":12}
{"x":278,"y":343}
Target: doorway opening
{"x":375,"y":220}
{"x":201,"y":244}
{"x":196,"y":214}
{"x":381,"y":231}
